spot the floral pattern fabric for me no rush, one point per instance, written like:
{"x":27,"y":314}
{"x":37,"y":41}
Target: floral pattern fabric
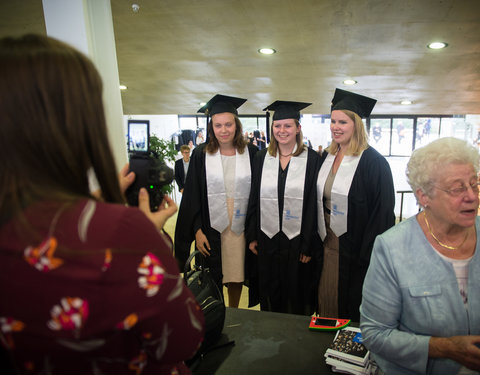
{"x":101,"y":293}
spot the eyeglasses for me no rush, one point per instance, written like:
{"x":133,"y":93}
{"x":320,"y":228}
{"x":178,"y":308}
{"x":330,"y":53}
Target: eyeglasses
{"x":460,"y":190}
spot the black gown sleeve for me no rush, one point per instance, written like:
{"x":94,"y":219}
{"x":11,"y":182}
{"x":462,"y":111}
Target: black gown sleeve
{"x":251,"y":221}
{"x":381,"y":202}
{"x":309,"y":216}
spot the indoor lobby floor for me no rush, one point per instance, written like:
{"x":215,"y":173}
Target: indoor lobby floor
{"x":170,"y":229}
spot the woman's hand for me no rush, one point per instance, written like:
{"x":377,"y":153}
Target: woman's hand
{"x":166,"y":209}
{"x":304,"y":258}
{"x":253,"y":247}
{"x":202,"y":243}
{"x":125,"y":178}
{"x":462,"y":349}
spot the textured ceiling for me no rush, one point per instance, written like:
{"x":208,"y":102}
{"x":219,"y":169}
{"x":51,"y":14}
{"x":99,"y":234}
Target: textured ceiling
{"x":174,"y":54}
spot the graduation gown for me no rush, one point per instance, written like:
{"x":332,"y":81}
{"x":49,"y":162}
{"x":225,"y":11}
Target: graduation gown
{"x":194,"y":214}
{"x":284,"y":283}
{"x":371,"y":203}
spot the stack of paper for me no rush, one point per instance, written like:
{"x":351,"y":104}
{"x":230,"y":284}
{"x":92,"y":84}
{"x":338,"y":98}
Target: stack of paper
{"x":347,"y":354}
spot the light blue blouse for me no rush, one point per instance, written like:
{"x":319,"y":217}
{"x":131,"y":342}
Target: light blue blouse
{"x":410,"y":294}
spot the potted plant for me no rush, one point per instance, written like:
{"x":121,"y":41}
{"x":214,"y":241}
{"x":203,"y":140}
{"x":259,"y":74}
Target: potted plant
{"x":165,"y":151}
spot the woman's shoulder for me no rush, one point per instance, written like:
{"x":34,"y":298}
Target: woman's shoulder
{"x":118,"y":225}
{"x":371,"y":154}
{"x":403,"y":232}
{"x":372,"y":160}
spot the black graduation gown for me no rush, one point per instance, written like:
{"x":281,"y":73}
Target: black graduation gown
{"x":284,"y":283}
{"x":193,"y":214}
{"x":371,"y":203}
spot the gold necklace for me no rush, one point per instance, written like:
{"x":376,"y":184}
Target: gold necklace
{"x":438,"y":241}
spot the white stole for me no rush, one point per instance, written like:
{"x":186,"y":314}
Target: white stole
{"x":293,"y":196}
{"x":340,"y":190}
{"x":217,"y":197}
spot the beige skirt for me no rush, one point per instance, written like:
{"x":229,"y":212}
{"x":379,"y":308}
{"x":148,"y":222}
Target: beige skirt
{"x":328,"y":288}
{"x":233,"y":251}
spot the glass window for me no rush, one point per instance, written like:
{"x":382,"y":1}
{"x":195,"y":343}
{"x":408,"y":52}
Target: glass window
{"x":202,"y":122}
{"x":379,"y":137}
{"x":249,"y":124}
{"x":402,"y":136}
{"x":453,"y":127}
{"x":187,"y":123}
{"x":428,"y":130}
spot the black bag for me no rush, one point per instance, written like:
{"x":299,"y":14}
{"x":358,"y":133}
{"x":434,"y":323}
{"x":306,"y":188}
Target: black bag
{"x":200,"y":281}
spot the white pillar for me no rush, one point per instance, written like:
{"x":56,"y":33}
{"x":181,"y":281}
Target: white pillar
{"x":88,"y":26}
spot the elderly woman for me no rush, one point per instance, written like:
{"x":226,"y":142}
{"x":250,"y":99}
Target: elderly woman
{"x":420,"y":312}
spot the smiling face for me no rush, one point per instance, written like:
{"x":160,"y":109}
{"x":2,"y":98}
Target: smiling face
{"x":285,"y":132}
{"x":342,"y":128}
{"x":224,"y":128}
{"x":460,"y":211}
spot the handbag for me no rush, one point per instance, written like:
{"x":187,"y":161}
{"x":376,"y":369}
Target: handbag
{"x":202,"y":285}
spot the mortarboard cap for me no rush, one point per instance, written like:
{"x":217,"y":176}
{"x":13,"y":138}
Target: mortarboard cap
{"x":221,"y":104}
{"x":285,"y":109}
{"x":361,"y":105}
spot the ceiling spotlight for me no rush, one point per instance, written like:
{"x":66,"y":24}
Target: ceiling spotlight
{"x":437,"y":45}
{"x":349,"y":82}
{"x":123,"y":87}
{"x":406,"y":102}
{"x":267,"y":51}
{"x":135,"y":8}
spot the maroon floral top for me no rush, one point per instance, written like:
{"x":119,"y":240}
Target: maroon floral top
{"x":94,"y":289}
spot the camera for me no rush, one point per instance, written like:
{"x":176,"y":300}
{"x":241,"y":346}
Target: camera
{"x":150,"y":172}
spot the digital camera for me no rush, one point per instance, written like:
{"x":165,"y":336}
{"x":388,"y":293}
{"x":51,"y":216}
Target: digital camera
{"x":150,"y":172}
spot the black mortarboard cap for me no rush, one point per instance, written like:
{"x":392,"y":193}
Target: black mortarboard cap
{"x":220,"y":104}
{"x":285,"y":109}
{"x":361,"y":105}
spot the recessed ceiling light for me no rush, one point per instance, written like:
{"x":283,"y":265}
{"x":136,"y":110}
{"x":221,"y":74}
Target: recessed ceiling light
{"x":123,"y":87}
{"x":267,"y":51}
{"x":437,"y":45}
{"x":406,"y":102}
{"x":349,"y":82}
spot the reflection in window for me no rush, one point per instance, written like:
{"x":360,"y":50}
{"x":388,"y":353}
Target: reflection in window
{"x":402,"y":136}
{"x":379,"y":137}
{"x":428,"y":130}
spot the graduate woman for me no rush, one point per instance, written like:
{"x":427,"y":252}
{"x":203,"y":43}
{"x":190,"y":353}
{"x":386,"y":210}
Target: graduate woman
{"x":215,"y":198}
{"x":281,"y":215}
{"x":355,"y":204}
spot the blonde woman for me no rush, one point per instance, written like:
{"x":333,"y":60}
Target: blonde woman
{"x":355,"y":204}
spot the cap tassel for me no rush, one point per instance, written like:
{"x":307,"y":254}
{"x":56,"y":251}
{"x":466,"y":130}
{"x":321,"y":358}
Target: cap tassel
{"x":267,"y":118}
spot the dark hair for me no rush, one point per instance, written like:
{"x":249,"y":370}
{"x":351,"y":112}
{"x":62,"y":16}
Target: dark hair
{"x":238,"y":140}
{"x":53,"y":129}
{"x":273,"y":146}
